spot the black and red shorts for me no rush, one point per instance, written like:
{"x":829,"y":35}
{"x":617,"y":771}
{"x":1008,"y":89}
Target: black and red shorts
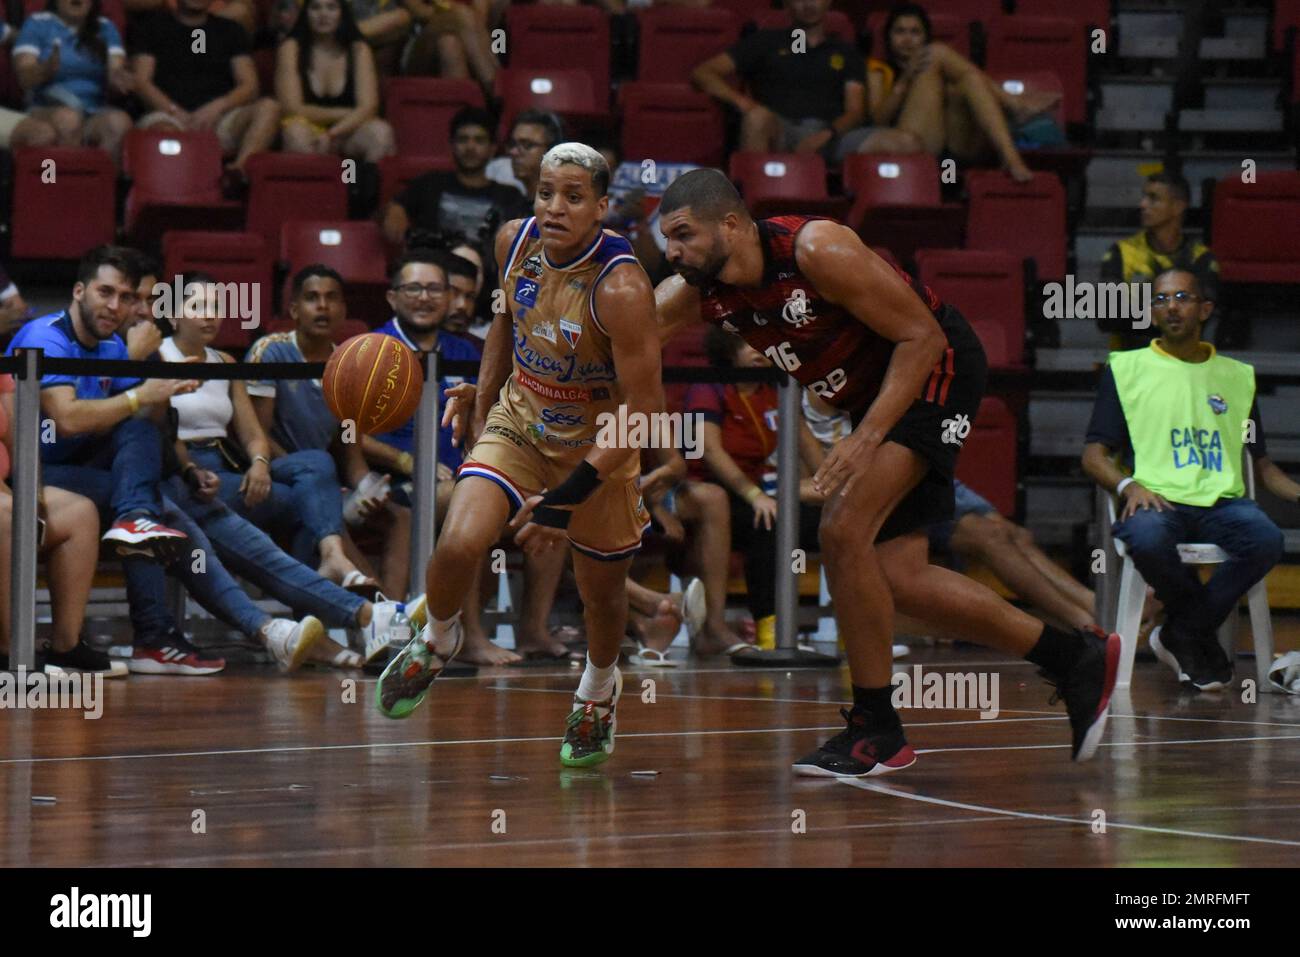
{"x":936,"y":426}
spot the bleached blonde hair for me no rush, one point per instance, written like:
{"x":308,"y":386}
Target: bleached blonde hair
{"x":580,"y":154}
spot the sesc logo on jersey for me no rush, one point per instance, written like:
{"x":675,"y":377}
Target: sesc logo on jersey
{"x":572,"y":332}
{"x":526,"y":293}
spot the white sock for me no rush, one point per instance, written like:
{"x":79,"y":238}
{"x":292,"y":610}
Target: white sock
{"x":444,"y":634}
{"x":597,"y":684}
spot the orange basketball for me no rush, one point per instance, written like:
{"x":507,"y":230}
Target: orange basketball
{"x":375,"y":381}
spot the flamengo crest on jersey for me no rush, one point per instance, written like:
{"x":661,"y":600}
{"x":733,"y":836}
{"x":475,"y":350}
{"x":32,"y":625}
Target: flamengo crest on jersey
{"x":827,"y":349}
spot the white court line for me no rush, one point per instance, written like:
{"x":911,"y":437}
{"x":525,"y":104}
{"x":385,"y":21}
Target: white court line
{"x":1057,"y":819}
{"x":580,"y":838}
{"x":1114,"y":744}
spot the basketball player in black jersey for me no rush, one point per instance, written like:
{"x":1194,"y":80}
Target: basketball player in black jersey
{"x":910,"y":372}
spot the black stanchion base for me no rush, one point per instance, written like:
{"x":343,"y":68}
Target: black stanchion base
{"x":785,"y":658}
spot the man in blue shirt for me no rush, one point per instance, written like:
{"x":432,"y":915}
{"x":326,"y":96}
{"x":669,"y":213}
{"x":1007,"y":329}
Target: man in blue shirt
{"x":107,"y":446}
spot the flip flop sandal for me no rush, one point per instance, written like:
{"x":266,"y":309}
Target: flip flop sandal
{"x":694,"y":608}
{"x":650,"y":658}
{"x":357,"y":583}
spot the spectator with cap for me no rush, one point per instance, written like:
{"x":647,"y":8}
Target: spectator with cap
{"x":68,"y":60}
{"x":1161,"y":244}
{"x":464,"y":201}
{"x":811,"y":101}
{"x":1180,"y":415}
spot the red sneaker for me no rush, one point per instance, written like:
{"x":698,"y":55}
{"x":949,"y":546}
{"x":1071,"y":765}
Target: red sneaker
{"x":143,"y":536}
{"x":175,"y":656}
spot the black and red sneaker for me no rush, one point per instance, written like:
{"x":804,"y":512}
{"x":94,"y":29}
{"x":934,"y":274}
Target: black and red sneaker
{"x":1086,"y":689}
{"x":858,"y":751}
{"x":141,"y":535}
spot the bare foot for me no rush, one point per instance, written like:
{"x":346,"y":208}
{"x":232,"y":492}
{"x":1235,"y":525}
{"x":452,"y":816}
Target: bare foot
{"x":549,"y":644}
{"x":710,"y":642}
{"x":479,"y":650}
{"x":1019,"y":172}
{"x":327,"y":651}
{"x":658,"y":632}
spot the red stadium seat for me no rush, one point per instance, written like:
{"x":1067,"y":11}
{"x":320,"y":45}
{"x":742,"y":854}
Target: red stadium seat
{"x":1090,"y":13}
{"x":1256,"y":228}
{"x":176,"y":184}
{"x":546,"y":37}
{"x":776,"y":183}
{"x":745,"y":10}
{"x":1286,"y":15}
{"x":63,"y":217}
{"x":896,"y":203}
{"x":353,"y":249}
{"x":1024,"y":44}
{"x":113,"y":9}
{"x":837,"y":23}
{"x":420,"y":109}
{"x":671,"y":124}
{"x":674,"y":40}
{"x":1036,"y":209}
{"x":229,"y":257}
{"x":285,"y":186}
{"x":396,"y":173}
{"x":989,"y":462}
{"x":570,"y":93}
{"x":944,"y":28}
{"x":988,"y":288}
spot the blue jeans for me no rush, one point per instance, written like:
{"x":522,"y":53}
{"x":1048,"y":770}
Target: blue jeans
{"x":119,"y":473}
{"x":249,"y":552}
{"x":1253,"y":542}
{"x":305,"y":498}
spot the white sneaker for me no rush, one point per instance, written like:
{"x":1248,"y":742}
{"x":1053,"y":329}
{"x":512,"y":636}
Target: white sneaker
{"x":379,"y":634}
{"x":291,"y":642}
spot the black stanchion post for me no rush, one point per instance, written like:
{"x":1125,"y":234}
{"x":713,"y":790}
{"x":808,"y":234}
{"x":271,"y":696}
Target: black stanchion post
{"x":26,"y":476}
{"x":787,"y":514}
{"x":425,"y":481}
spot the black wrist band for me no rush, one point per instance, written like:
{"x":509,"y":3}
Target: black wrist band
{"x":575,"y":489}
{"x":552,"y":517}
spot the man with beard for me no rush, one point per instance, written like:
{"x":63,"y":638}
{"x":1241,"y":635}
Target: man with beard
{"x":458,"y":202}
{"x":910,"y":372}
{"x":580,"y":341}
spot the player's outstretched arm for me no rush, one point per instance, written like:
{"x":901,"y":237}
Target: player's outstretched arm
{"x":677,"y":305}
{"x":849,"y":274}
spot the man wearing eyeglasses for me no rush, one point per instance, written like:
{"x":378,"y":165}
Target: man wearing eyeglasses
{"x":1180,"y":415}
{"x":532,"y":133}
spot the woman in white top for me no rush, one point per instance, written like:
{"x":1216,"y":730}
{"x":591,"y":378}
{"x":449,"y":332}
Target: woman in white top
{"x":297,"y":494}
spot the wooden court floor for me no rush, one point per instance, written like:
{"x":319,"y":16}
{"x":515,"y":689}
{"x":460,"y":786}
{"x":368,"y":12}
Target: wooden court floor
{"x":285,"y":772}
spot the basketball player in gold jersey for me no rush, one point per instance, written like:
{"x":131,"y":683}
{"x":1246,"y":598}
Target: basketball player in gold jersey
{"x":581,"y":341}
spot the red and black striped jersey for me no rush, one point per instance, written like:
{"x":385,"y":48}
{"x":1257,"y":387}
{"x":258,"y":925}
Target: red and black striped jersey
{"x":825,"y":347}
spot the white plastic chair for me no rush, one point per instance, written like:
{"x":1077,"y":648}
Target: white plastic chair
{"x":1133,"y":590}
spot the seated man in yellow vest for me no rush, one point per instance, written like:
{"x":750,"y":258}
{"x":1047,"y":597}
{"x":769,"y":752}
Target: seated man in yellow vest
{"x":1182,"y":413}
{"x":1161,"y":244}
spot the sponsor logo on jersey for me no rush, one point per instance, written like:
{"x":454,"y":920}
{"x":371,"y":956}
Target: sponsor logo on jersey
{"x":784,"y":275}
{"x":572,"y":332}
{"x":526,"y":292}
{"x":564,"y":415}
{"x":509,"y":435}
{"x":569,"y":443}
{"x":1218,"y":404}
{"x":566,"y":369}
{"x":548,"y":391}
{"x":536,"y":430}
{"x":545,"y":329}
{"x":726,"y":324}
{"x":797,"y":310}
{"x":577,"y":284}
{"x":532,"y":267}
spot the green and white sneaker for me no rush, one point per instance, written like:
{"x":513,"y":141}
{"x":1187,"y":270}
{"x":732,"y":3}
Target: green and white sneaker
{"x":589,"y":731}
{"x":408,"y":676}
